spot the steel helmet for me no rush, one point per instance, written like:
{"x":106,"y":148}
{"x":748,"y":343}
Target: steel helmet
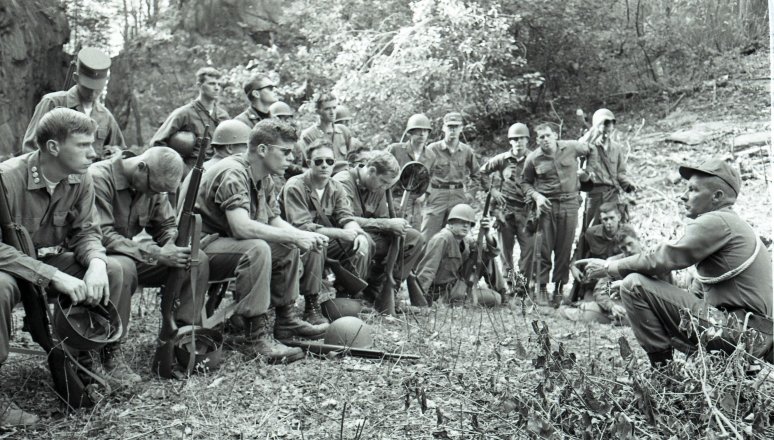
{"x":231,"y":132}
{"x":279,"y":108}
{"x":208,"y":346}
{"x":336,"y":308}
{"x":85,"y":327}
{"x":463,"y":212}
{"x":349,"y":332}
{"x":342,"y":114}
{"x":418,"y":120}
{"x":602,"y":115}
{"x":518,"y":130}
{"x":183,"y":142}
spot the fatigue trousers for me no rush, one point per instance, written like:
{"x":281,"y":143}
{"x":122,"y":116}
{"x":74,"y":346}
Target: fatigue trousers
{"x":653,"y":307}
{"x":122,"y":281}
{"x":413,"y":245}
{"x":188,"y":307}
{"x":513,"y":229}
{"x":436,"y":210}
{"x":595,"y":198}
{"x":267,"y":274}
{"x":558,"y":227}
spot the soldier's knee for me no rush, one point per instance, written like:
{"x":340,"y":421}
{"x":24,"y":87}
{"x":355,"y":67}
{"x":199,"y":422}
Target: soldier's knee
{"x":258,"y":253}
{"x":630,"y":284}
{"x":414,"y":238}
{"x":120,"y":266}
{"x":9,"y":291}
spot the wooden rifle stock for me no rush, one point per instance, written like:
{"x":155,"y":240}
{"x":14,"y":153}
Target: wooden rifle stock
{"x":385,"y":303}
{"x":164,"y":358}
{"x":67,"y":384}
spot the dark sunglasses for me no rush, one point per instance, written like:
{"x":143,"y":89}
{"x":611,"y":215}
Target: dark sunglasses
{"x":329,"y":161}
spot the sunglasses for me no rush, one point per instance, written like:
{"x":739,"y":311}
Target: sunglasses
{"x":329,"y":161}
{"x":267,"y":87}
{"x":149,"y":183}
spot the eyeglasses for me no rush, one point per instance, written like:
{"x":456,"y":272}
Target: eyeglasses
{"x":319,"y":161}
{"x":148,"y":181}
{"x":285,"y":149}
{"x":270,"y":87}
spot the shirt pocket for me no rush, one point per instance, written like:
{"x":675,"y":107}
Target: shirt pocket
{"x":441,"y":168}
{"x":543,"y":169}
{"x":100,"y":136}
{"x":568,"y":162}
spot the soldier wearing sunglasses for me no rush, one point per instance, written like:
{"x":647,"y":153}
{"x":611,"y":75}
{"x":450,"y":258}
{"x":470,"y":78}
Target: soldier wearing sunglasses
{"x":259,"y":90}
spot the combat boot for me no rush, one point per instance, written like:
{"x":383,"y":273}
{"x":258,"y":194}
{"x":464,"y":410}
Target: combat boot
{"x":12,"y":415}
{"x":115,"y":366}
{"x":313,"y":311}
{"x":542,"y":297}
{"x":289,"y":325}
{"x":258,"y":333}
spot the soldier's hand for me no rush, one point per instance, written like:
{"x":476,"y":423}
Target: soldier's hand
{"x":542,"y":203}
{"x":96,"y":279}
{"x":173,"y":256}
{"x":618,"y":311}
{"x":396,"y":226}
{"x":577,"y":275}
{"x":486,"y":223}
{"x":421,"y":199}
{"x":592,"y":268}
{"x":69,"y":285}
{"x":348,"y":235}
{"x":498,"y":197}
{"x":360,"y":245}
{"x":310,"y":241}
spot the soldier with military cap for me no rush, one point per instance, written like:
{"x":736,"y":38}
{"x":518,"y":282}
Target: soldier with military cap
{"x":185,"y":124}
{"x":338,"y":134}
{"x":450,"y":162}
{"x":414,"y":149}
{"x":91,"y":74}
{"x":259,"y":91}
{"x":733,"y":272}
{"x":509,"y":198}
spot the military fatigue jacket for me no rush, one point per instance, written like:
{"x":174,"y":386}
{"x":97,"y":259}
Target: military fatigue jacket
{"x":449,"y":168}
{"x":600,"y":245}
{"x":552,"y":176}
{"x":509,"y":169}
{"x":190,"y":117}
{"x":405,"y":154}
{"x":108,"y":132}
{"x":608,"y":165}
{"x":716,"y":242}
{"x":230,"y":184}
{"x":66,"y":219}
{"x":251,"y":116}
{"x":444,"y":257}
{"x":299,"y":210}
{"x":340,"y":137}
{"x":367,"y":206}
{"x":124,"y":213}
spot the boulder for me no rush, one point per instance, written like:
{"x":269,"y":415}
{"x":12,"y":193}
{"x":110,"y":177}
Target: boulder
{"x":752,"y":139}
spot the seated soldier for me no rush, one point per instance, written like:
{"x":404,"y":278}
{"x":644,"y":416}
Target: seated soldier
{"x":366,"y":186}
{"x":441,"y":271}
{"x":52,"y":196}
{"x":314,"y":202}
{"x":732,"y":266}
{"x":237,"y":201}
{"x":131,"y":195}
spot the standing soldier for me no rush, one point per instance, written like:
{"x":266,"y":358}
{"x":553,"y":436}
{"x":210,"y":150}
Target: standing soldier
{"x":185,"y":124}
{"x":447,"y":161}
{"x":607,"y":167}
{"x":550,"y":178}
{"x":90,"y":78}
{"x":131,"y":196}
{"x":338,"y":134}
{"x":509,"y":197}
{"x":418,"y":131}
{"x":357,"y":148}
{"x":260,"y":92}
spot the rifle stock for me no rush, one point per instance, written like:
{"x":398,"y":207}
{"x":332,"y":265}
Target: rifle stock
{"x":67,"y":384}
{"x":164,"y":357}
{"x":320,"y":348}
{"x":385,"y":302}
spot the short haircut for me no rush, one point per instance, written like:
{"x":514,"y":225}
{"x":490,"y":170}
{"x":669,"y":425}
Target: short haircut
{"x":322,"y":99}
{"x":165,"y":164}
{"x":271,"y":131}
{"x":610,"y":207}
{"x":204,"y":72}
{"x":60,"y":123}
{"x":254,"y":83}
{"x":625,"y":233}
{"x":384,"y":162}
{"x":715,"y":183}
{"x":544,"y":126}
{"x":318,"y":144}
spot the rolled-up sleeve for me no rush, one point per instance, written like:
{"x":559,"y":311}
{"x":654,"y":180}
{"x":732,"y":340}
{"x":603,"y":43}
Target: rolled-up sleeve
{"x":297,"y":211}
{"x":232,"y":192}
{"x":528,"y":177}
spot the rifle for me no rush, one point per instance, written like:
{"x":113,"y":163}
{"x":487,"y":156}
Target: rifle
{"x":385,"y":302}
{"x":320,"y":348}
{"x":414,"y":179}
{"x":188,"y":232}
{"x":576,"y":293}
{"x":37,"y":317}
{"x":478,"y":268}
{"x":536,"y":248}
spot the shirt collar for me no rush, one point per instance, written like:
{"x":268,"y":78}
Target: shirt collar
{"x":73,"y":100}
{"x":119,"y":172}
{"x":35,"y":177}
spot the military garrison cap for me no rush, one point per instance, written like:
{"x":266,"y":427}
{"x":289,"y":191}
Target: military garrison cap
{"x":452,"y":118}
{"x":718,"y":168}
{"x":93,"y":66}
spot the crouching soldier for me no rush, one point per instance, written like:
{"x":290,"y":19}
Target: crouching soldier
{"x":366,"y":187}
{"x":441,"y":273}
{"x":52,"y":196}
{"x":314,"y":202}
{"x":732,"y":265}
{"x":237,"y":201}
{"x":131,"y":195}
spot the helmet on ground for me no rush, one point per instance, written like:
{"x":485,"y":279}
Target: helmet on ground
{"x":349,"y":332}
{"x":602,"y":115}
{"x":463,"y":212}
{"x":342,"y":114}
{"x":279,"y":108}
{"x":231,"y":132}
{"x":183,"y":142}
{"x":336,"y":308}
{"x":208,"y":347}
{"x":488,"y":297}
{"x":85,"y":327}
{"x":518,"y":130}
{"x":418,"y":120}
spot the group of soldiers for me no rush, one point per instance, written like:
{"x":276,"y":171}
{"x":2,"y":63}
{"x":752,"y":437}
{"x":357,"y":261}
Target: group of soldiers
{"x":277,"y":207}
